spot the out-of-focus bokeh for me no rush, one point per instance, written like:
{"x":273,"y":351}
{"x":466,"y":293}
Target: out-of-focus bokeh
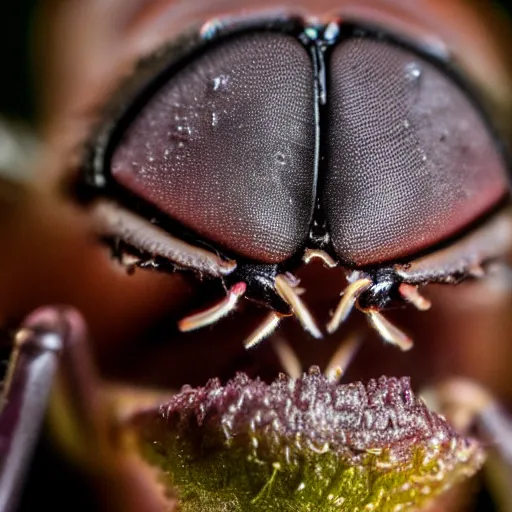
{"x":16,"y":20}
{"x":18,"y":77}
{"x":51,"y":477}
{"x":17,"y":112}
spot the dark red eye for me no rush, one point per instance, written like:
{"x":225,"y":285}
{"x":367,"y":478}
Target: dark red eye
{"x":410,"y":160}
{"x":236,"y":142}
{"x":227,"y":146}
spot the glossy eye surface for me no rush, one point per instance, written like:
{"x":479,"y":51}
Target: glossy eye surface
{"x":227,"y":146}
{"x":234,"y":144}
{"x":410,"y":160}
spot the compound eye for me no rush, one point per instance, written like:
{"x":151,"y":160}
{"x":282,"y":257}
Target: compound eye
{"x":411,"y":160}
{"x":226,"y":146}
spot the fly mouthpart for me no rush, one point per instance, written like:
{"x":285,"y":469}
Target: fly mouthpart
{"x":213,"y":314}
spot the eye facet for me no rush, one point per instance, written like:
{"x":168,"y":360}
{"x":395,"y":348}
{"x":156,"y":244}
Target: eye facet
{"x":227,"y":146}
{"x":410,"y":160}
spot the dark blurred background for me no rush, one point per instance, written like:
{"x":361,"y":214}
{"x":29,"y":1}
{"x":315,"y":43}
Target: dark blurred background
{"x":50,"y":475}
{"x":16,"y":85}
{"x":15,"y":32}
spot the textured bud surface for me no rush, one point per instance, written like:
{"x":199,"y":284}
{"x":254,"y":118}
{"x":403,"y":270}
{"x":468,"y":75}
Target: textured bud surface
{"x":308,"y":444}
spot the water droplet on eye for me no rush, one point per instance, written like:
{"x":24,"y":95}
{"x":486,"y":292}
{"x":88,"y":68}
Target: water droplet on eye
{"x":215,"y":119}
{"x":331,"y":32}
{"x":413,"y":71}
{"x":210,"y":28}
{"x":311,"y":33}
{"x":280,"y":158}
{"x":184,"y":131}
{"x":406,"y":124}
{"x":220,"y":82}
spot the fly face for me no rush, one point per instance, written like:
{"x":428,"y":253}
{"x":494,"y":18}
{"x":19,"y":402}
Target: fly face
{"x":281,"y":156}
{"x":262,"y":145}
